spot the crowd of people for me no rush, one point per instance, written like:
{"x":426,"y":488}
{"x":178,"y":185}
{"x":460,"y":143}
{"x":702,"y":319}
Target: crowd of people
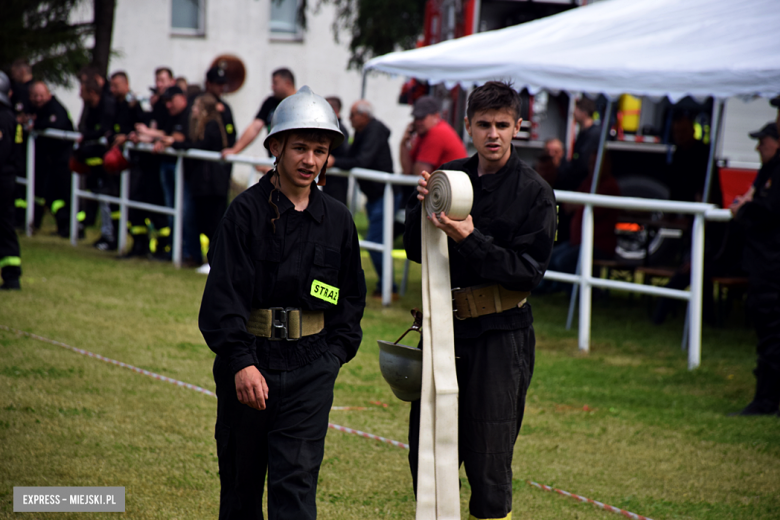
{"x":183,"y":116}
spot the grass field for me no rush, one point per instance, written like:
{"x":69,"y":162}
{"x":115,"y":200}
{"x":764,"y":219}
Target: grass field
{"x":627,"y":425}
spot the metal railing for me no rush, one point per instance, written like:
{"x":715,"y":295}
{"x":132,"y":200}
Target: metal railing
{"x":124,"y":202}
{"x":585,"y":279}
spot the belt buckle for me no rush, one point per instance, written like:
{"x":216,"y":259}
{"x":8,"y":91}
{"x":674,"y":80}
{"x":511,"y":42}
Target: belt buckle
{"x":454,"y":307}
{"x":280,"y":325}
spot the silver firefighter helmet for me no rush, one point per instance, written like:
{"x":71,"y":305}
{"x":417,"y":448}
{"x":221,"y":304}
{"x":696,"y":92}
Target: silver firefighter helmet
{"x":401,"y":366}
{"x":305,"y":110}
{"x":5,"y":87}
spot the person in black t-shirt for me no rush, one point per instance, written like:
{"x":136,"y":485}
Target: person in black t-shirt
{"x":283,"y":85}
{"x":176,"y":127}
{"x":572,"y":173}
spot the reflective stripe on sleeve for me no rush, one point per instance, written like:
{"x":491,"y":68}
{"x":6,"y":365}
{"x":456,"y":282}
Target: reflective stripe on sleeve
{"x":10,"y":261}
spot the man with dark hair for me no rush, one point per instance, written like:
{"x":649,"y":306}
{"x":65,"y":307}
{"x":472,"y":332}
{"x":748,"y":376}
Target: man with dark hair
{"x":283,"y":86}
{"x":281,"y":309}
{"x":572,"y":173}
{"x":144,"y":169}
{"x":586,"y":143}
{"x":52,"y":174}
{"x":96,"y":126}
{"x":370,"y":149}
{"x":177,"y":127}
{"x":337,"y":187}
{"x":759,"y":218}
{"x":502,"y":249}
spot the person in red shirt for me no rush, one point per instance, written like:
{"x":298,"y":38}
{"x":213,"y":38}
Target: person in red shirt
{"x":429,"y":141}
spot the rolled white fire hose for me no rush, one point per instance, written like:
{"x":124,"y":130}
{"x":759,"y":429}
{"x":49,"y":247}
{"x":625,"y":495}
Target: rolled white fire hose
{"x":438,"y":494}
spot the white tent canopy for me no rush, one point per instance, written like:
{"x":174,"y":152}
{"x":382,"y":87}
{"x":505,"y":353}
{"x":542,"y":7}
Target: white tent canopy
{"x":673,"y":48}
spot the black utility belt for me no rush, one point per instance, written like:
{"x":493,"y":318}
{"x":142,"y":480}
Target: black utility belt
{"x":285,"y":323}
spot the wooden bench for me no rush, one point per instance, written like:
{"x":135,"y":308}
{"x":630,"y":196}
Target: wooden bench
{"x":650,"y":273}
{"x":615,"y":270}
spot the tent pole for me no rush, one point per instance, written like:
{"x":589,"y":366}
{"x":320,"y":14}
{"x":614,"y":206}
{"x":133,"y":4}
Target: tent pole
{"x":586,"y":248}
{"x":602,"y":144}
{"x":717,"y":118}
{"x":569,"y":144}
{"x":363,"y":84}
{"x":477,"y":14}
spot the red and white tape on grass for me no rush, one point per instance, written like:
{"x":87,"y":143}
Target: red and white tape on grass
{"x":607,"y":507}
{"x":336,"y":427}
{"x":186,"y":385}
{"x":369,"y":436}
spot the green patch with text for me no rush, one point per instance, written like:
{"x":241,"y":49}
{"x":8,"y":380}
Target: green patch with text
{"x":325,"y":292}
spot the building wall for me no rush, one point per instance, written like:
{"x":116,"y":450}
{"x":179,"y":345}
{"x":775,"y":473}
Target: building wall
{"x":143,"y":41}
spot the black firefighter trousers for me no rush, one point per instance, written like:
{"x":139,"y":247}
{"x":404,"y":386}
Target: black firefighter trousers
{"x":10,"y":262}
{"x":494,"y":372}
{"x":286,"y":440}
{"x":764,"y":307}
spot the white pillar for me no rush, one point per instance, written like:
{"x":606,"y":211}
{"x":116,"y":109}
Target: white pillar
{"x":74,"y":209}
{"x":30,"y":212}
{"x":178,"y":206}
{"x":388,"y":216}
{"x":586,"y":273}
{"x":124,"y":191}
{"x":697,"y":284}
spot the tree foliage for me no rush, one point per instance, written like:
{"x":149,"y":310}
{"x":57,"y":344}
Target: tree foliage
{"x":375,"y":27}
{"x":40,"y":31}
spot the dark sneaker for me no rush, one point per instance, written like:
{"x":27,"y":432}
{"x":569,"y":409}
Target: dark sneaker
{"x":757,"y":408}
{"x":11,"y":285}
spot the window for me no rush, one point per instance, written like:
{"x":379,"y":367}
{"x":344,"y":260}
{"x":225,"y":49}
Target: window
{"x":284,"y":19}
{"x":187,"y":17}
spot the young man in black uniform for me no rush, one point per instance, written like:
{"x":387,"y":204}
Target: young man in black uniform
{"x":163,"y":167}
{"x":144,"y":168}
{"x":281,"y":309}
{"x":96,"y":126}
{"x":10,"y":166}
{"x":21,"y":80}
{"x":283,"y":86}
{"x":176,"y":125}
{"x":759,"y":217}
{"x":52,"y":173}
{"x":503,"y":248}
